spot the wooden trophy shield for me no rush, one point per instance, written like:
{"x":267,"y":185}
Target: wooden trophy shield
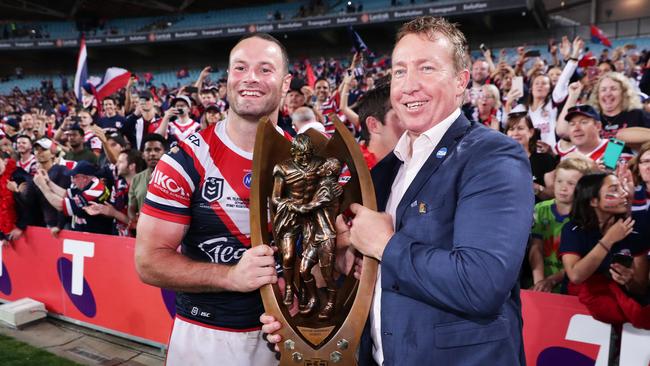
{"x":311,"y":339}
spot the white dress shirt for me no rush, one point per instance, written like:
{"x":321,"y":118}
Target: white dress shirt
{"x":413,"y":153}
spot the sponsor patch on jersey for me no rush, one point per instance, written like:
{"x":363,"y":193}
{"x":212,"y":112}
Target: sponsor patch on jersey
{"x":212,"y":189}
{"x":248,"y":178}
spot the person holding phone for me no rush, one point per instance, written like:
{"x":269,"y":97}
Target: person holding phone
{"x":600,"y":227}
{"x":176,"y":124}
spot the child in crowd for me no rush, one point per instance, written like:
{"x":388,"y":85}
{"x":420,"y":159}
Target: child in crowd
{"x":550,"y":217}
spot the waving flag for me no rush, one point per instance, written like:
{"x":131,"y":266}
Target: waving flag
{"x":81,"y":75}
{"x":597,"y":36}
{"x":114,"y":79}
{"x":309,"y":72}
{"x":359,"y":44}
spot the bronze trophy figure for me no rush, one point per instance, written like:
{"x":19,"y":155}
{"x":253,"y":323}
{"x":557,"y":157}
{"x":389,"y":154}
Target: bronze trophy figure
{"x":295,"y":198}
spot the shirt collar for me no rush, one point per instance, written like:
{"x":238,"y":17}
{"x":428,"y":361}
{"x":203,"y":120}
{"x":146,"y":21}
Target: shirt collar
{"x":432,"y":136}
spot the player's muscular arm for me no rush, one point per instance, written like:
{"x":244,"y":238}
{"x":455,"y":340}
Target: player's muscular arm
{"x":159,"y":264}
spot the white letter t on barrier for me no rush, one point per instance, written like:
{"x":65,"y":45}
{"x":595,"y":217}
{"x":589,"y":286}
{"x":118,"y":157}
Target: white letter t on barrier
{"x":78,"y":249}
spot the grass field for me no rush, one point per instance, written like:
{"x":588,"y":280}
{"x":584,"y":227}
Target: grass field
{"x":14,"y":353}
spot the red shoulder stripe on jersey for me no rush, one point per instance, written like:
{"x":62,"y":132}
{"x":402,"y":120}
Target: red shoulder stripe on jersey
{"x":231,"y":165}
{"x":165,"y":215}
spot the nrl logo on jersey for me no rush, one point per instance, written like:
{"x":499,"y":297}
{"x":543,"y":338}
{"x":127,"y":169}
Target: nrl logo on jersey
{"x":212,"y":189}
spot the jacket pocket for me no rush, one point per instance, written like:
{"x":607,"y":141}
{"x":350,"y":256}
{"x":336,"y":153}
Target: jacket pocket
{"x":465,"y":333}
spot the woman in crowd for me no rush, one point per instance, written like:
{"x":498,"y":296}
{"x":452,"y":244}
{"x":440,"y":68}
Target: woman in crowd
{"x":604,"y":253}
{"x":640,"y":166}
{"x":620,"y":108}
{"x":488,"y":110}
{"x":520,"y":127}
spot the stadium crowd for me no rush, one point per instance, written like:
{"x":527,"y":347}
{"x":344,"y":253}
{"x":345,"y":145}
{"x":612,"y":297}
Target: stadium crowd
{"x":85,"y":166}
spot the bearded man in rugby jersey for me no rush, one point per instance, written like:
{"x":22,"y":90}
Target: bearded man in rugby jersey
{"x":198,"y":198}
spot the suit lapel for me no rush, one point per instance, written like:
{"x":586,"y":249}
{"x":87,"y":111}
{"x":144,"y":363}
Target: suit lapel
{"x":444,"y":148}
{"x":383,"y":175}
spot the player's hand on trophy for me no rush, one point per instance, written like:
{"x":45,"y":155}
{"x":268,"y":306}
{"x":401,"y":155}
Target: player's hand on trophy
{"x":255,"y":269}
{"x":270,"y":326}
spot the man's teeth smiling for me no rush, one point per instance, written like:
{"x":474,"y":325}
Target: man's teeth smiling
{"x":250,"y":93}
{"x":414,"y":105}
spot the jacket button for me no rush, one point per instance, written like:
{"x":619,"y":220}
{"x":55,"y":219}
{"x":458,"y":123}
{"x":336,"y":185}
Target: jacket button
{"x":388,"y":333}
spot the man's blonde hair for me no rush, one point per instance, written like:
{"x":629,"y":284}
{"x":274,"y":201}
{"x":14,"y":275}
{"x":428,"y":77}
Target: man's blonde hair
{"x":432,"y":26}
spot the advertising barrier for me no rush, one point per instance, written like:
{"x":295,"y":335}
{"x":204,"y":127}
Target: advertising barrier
{"x":91,"y":280}
{"x":330,"y":21}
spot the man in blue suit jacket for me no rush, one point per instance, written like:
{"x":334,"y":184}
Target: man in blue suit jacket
{"x":458,"y":206}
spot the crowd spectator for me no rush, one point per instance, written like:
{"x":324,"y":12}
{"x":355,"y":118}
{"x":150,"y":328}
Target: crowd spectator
{"x":137,"y":124}
{"x":110,"y":120}
{"x":45,"y":151}
{"x":153,"y":148}
{"x":26,"y":160}
{"x":550,"y":216}
{"x":177,"y":123}
{"x":519,"y":126}
{"x":86,"y":188}
{"x":600,"y":228}
{"x":129,"y":163}
{"x":8,"y":229}
{"x":304,"y":118}
{"x":584,"y":133}
{"x":78,"y":150}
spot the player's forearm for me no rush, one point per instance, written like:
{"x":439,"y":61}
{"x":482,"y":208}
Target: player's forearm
{"x":187,"y":275}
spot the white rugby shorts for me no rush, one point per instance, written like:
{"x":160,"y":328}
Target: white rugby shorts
{"x":195,"y":344}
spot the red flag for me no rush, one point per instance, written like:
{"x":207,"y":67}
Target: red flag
{"x":311,"y":78}
{"x":597,"y":36}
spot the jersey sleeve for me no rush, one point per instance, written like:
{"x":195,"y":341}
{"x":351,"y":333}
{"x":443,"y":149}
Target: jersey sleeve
{"x":538,"y":230}
{"x":171,"y":187}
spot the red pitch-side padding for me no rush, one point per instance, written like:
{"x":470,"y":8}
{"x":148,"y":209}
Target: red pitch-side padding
{"x":92,"y":278}
{"x":111,"y":294}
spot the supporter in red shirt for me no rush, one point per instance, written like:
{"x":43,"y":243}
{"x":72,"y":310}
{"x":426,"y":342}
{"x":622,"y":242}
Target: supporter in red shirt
{"x":8,"y":229}
{"x":584,"y":132}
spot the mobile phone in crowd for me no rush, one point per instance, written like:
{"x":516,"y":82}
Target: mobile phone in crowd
{"x":518,"y":84}
{"x":483,"y":48}
{"x":613,"y":152}
{"x":532,"y":53}
{"x":192,"y":89}
{"x":623,"y":259}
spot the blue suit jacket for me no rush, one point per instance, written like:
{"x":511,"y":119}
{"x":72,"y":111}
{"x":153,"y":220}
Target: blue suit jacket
{"x":450,"y":271}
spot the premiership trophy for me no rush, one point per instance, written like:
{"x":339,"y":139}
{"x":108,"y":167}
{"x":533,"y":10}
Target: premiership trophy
{"x":296,"y":195}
